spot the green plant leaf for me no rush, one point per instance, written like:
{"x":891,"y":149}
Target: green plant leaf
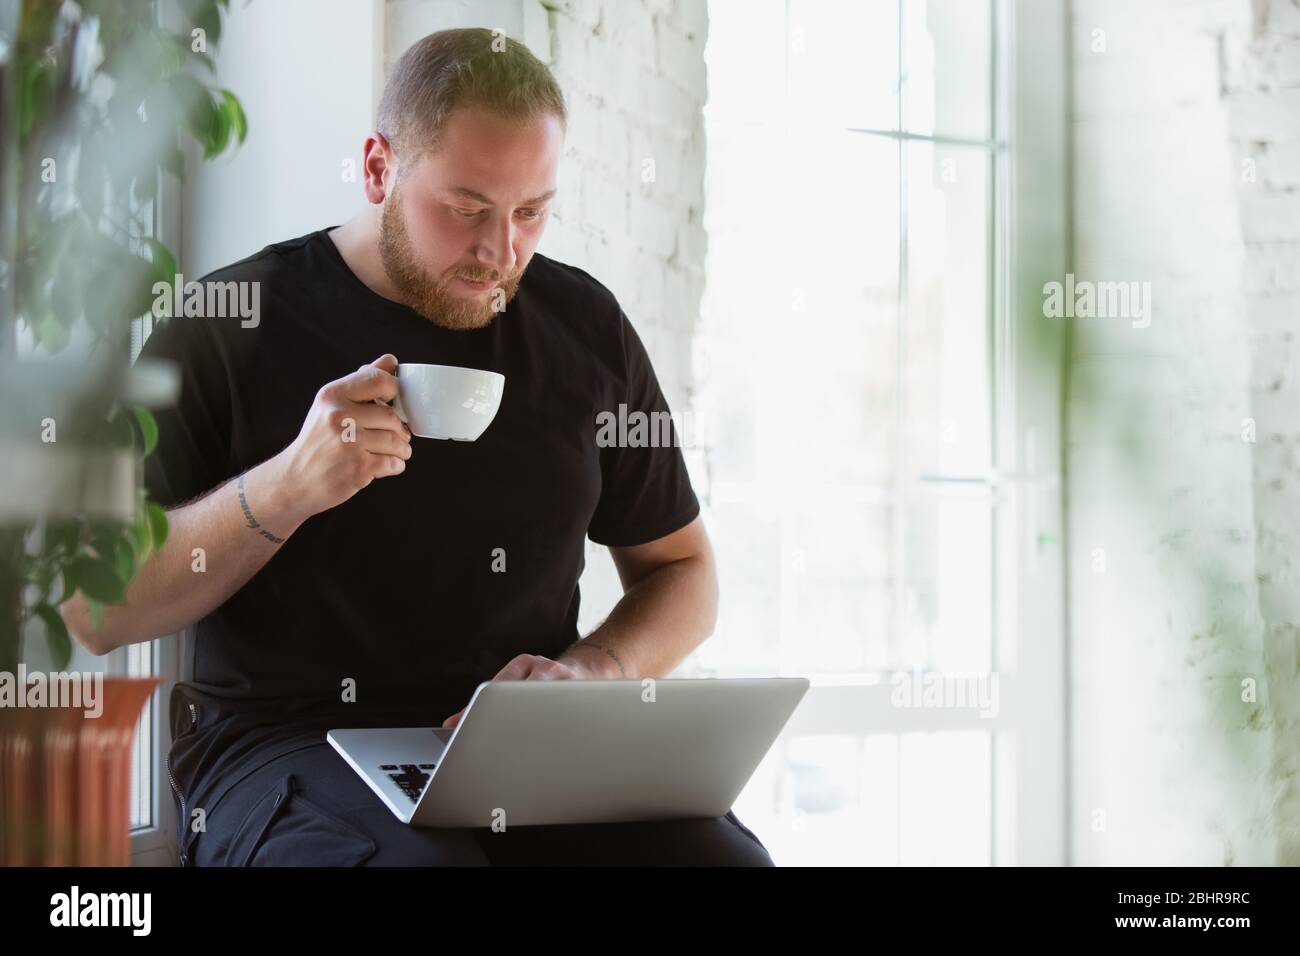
{"x":148,"y":428}
{"x":172,"y":53}
{"x":204,"y":13}
{"x":234,"y":111}
{"x":52,"y":334}
{"x":164,"y":263}
{"x":56,"y":636}
{"x":120,"y":432}
{"x":37,"y":85}
{"x":157,"y":524}
{"x":124,"y":556}
{"x":142,"y":533}
{"x":65,"y":592}
{"x":97,"y":578}
{"x":121,"y":289}
{"x":218,"y":130}
{"x":195,"y":107}
{"x":61,"y":535}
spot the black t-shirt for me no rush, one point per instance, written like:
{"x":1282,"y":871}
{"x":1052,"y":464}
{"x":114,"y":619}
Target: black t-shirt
{"x":399,"y":589}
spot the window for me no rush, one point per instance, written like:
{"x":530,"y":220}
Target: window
{"x":867,"y":468}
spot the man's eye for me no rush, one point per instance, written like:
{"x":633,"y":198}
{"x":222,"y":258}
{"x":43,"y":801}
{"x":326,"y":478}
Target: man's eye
{"x":469,"y":213}
{"x":530,"y":213}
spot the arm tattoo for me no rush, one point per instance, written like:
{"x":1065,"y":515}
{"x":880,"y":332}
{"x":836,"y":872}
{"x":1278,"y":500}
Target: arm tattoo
{"x":248,"y":515}
{"x":608,"y":650}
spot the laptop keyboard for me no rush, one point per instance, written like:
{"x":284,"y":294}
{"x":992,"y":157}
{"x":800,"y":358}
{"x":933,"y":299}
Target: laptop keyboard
{"x":411,"y":777}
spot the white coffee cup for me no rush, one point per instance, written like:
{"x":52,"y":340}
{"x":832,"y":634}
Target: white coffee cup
{"x":447,"y":401}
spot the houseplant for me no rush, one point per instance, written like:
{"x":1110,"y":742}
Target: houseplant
{"x":96,"y":100}
{"x":92,"y":98}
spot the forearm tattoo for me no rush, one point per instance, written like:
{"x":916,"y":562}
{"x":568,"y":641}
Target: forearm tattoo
{"x":603,"y":647}
{"x":248,"y":515}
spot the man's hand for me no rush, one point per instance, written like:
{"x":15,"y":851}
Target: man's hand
{"x":536,"y":667}
{"x":347,"y":439}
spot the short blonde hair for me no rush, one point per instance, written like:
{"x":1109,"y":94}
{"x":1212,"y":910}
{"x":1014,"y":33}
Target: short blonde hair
{"x":451,"y":69}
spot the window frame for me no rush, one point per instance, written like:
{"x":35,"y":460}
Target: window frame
{"x":1029,"y":173}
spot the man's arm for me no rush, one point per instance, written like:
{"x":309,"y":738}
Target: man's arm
{"x":669,"y":607}
{"x":346,"y":442}
{"x":167,"y":592}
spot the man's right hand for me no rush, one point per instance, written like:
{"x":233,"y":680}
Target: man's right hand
{"x":347,"y":440}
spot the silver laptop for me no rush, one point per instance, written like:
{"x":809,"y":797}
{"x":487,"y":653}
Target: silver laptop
{"x":531,"y":752}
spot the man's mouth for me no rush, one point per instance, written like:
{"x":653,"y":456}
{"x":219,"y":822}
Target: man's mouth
{"x":478,"y":285}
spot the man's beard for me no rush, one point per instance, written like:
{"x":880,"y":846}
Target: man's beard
{"x":428,"y":294}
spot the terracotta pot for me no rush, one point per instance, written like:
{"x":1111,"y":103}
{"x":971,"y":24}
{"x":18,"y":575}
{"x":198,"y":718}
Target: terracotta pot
{"x":65,"y":779}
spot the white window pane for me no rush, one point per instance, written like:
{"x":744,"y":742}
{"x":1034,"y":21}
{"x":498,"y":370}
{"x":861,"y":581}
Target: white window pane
{"x":140,"y":663}
{"x":840,"y":599}
{"x":747,"y":543}
{"x":826,"y":800}
{"x":945,"y":799}
{"x":916,"y":799}
{"x":800,"y":424}
{"x":948,"y":611}
{"x":832,"y":399}
{"x":803,"y":252}
{"x":946,"y":327}
{"x":946,"y":64}
{"x":843,"y":62}
{"x":745,"y":57}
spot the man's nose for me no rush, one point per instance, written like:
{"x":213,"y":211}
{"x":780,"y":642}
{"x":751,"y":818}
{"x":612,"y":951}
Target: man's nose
{"x":497,"y":246}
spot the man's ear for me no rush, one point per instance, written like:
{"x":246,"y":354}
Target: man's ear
{"x":378,"y":167}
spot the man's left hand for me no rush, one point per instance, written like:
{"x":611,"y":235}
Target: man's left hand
{"x":536,"y":667}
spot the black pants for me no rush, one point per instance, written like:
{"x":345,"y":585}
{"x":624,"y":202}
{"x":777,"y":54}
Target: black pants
{"x":309,"y":808}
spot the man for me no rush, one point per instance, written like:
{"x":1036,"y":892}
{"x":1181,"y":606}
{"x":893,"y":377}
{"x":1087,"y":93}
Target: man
{"x":376,"y":581}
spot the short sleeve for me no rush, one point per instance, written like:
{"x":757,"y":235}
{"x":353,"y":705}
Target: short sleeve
{"x":193,"y":452}
{"x":646,"y":491}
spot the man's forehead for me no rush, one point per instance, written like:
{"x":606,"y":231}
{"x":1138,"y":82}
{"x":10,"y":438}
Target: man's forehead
{"x":479,"y":152}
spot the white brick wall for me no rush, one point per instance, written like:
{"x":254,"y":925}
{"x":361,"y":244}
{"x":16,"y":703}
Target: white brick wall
{"x":633,"y":73}
{"x":633,"y":77}
{"x":1196,"y":527}
{"x":1264,"y":104}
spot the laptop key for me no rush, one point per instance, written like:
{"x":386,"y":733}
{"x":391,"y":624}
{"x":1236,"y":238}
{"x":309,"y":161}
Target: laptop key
{"x":411,"y":780}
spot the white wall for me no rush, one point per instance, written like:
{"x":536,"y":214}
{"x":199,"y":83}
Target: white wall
{"x":1181,"y":533}
{"x":1261,"y":84}
{"x":634,"y":80}
{"x":308,"y":74}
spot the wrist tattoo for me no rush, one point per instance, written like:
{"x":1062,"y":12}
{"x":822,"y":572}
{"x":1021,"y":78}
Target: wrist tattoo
{"x":608,"y":650}
{"x":248,"y":515}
